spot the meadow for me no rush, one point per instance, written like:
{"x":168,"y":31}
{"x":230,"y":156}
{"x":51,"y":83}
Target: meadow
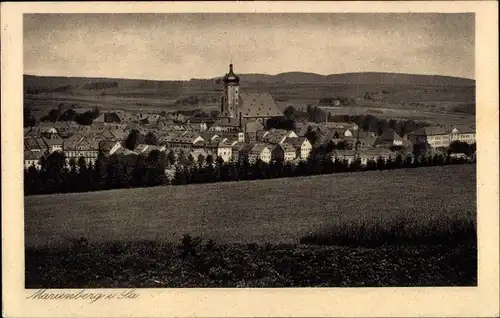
{"x":414,"y":227}
{"x":263,"y":211}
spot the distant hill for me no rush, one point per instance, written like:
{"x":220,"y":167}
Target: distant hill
{"x":54,"y":84}
{"x":60,"y":84}
{"x":371,"y":78}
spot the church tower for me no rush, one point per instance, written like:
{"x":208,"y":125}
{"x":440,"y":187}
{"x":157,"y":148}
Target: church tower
{"x":230,"y":99}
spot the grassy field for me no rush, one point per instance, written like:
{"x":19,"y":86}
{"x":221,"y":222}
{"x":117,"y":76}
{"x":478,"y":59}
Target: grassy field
{"x":274,"y":211}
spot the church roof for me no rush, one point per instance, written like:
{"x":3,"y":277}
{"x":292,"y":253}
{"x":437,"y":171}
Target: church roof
{"x":258,"y":105}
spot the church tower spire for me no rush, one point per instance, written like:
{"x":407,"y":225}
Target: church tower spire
{"x":230,"y":100}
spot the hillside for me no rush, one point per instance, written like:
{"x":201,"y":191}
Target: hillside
{"x":371,"y":78}
{"x":387,"y":95}
{"x":32,"y":82}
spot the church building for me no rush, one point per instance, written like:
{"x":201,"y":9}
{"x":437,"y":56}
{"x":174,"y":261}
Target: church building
{"x":241,"y":110}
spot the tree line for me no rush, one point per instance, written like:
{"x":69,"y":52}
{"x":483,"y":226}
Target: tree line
{"x":57,"y":114}
{"x":113,"y":172}
{"x":117,"y":172}
{"x":315,"y":165}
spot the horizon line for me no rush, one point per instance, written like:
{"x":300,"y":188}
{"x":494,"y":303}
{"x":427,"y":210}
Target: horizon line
{"x":243,"y":74}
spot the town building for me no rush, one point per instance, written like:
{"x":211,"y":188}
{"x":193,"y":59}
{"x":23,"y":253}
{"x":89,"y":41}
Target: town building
{"x":341,"y":125}
{"x":254,"y":151}
{"x":220,"y":149}
{"x":200,"y":124}
{"x":251,"y":129}
{"x":183,"y":139}
{"x":32,"y":158}
{"x":66,"y":129}
{"x":108,"y":118}
{"x":389,"y":138}
{"x":236,"y":151}
{"x":43,"y":129}
{"x":283,"y":152}
{"x":43,"y":144}
{"x":344,"y":155}
{"x":441,"y":137}
{"x":108,"y":148}
{"x":463,"y":133}
{"x":277,"y":136}
{"x":374,"y":154}
{"x":82,"y":145}
{"x":302,"y":147}
{"x":363,"y":155}
{"x":238,"y":109}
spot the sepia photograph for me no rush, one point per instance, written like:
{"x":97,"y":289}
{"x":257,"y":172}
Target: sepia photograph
{"x":253,"y":150}
{"x":249,"y":150}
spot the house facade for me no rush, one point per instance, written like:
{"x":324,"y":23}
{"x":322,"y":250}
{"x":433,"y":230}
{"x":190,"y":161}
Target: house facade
{"x":375,"y":154}
{"x":252,"y":152}
{"x":225,"y":151}
{"x":283,"y":152}
{"x":183,"y":140}
{"x":32,"y":158}
{"x":302,"y":147}
{"x":85,"y":146}
{"x":440,"y":137}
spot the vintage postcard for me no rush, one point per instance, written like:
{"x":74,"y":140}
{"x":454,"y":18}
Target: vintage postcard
{"x":225,"y":159}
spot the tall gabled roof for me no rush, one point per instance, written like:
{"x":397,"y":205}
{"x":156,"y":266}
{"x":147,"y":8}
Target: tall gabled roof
{"x":429,"y":131}
{"x":240,"y":146}
{"x":258,"y":105}
{"x":106,"y":146}
{"x":209,"y":135}
{"x":287,"y":147}
{"x":297,"y":141}
{"x":253,"y":126}
{"x":53,"y":141}
{"x":31,"y":143}
{"x":257,"y":148}
{"x":390,"y":135}
{"x":275,"y":136}
{"x":30,"y":155}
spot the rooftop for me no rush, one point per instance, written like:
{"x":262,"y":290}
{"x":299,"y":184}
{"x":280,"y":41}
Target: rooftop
{"x":258,"y":105}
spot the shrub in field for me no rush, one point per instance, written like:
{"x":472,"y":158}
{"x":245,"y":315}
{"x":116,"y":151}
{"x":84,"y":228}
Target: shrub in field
{"x":402,"y":229}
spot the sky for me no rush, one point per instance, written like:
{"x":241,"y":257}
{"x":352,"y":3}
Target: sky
{"x":197,"y":45}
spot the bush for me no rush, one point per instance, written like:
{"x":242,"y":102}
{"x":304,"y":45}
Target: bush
{"x":404,"y":229}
